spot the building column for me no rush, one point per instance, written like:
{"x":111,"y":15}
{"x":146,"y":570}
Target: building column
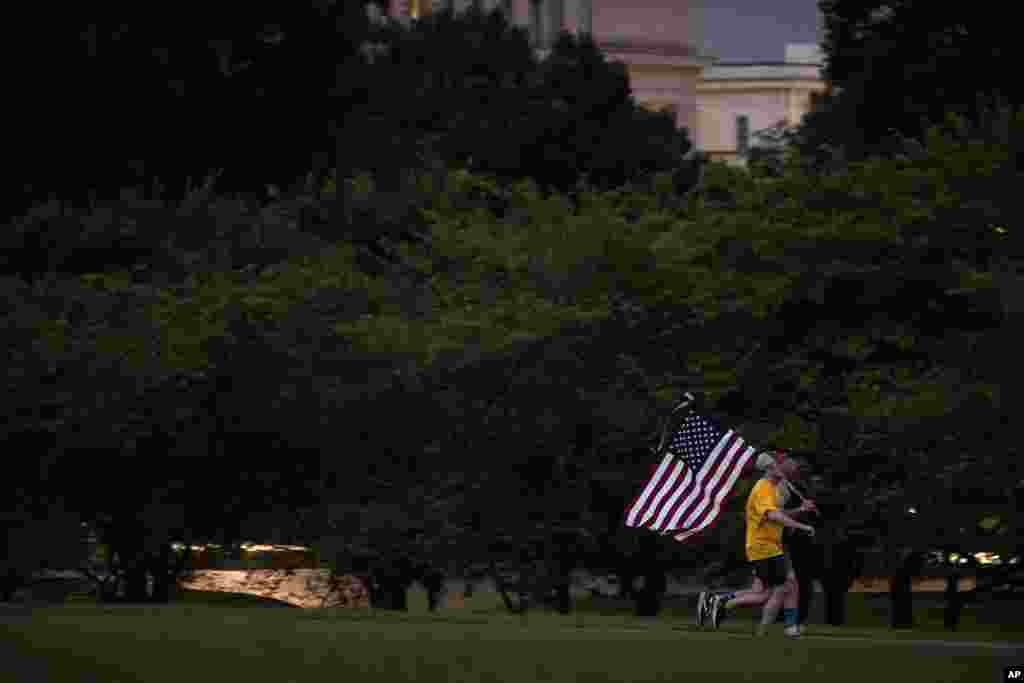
{"x":554,"y":19}
{"x":520,"y":13}
{"x":572,"y":15}
{"x":578,"y":16}
{"x":584,"y":16}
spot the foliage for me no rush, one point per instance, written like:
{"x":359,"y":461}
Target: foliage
{"x":157,"y":242}
{"x":519,"y":349}
{"x":568,"y":116}
{"x":253,"y":96}
{"x":589,"y":123}
{"x":885,"y":65}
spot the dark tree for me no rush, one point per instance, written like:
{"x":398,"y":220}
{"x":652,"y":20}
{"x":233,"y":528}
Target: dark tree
{"x":887,"y":66}
{"x":173,"y":98}
{"x":474,"y":76}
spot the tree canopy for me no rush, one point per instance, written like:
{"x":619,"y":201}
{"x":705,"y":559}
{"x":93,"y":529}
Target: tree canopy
{"x":411,"y":363}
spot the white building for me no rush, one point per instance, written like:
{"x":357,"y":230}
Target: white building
{"x":724,"y":105}
{"x":655,"y":40}
{"x":744,"y":104}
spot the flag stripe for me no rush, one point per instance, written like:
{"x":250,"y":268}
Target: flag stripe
{"x":641,"y":502}
{"x":671,"y":482}
{"x":686,"y":489}
{"x":714,"y":500}
{"x":711,"y":485}
{"x":666,"y":493}
{"x":720,"y":497}
{"x":687,"y":484}
{"x":719,"y":457}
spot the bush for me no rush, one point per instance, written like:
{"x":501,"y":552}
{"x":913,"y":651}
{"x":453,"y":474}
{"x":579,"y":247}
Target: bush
{"x":156,"y":240}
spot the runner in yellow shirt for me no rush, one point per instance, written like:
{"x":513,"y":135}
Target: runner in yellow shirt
{"x":765,"y":521}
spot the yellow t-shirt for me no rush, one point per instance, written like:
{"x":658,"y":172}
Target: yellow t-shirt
{"x":764,"y":537}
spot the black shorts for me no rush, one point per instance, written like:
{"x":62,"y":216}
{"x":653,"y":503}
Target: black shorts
{"x":772,"y":570}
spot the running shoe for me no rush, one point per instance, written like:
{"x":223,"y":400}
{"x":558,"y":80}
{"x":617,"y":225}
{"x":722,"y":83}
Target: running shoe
{"x":718,"y":611}
{"x":702,"y":607}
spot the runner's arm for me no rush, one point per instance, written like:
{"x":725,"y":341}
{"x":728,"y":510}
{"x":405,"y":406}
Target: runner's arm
{"x":785,"y":520}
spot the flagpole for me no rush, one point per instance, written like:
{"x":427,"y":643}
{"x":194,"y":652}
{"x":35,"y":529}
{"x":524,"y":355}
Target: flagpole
{"x":792,"y":487}
{"x":688,"y":400}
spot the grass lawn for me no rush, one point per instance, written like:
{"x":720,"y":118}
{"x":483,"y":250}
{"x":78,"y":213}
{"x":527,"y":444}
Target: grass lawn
{"x":867,"y":614}
{"x":196,"y":641}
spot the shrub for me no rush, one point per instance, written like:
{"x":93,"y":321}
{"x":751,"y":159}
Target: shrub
{"x":152,"y":238}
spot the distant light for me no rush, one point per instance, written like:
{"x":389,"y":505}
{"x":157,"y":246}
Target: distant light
{"x":988,"y":558}
{"x":963,"y":560}
{"x":912,"y":510}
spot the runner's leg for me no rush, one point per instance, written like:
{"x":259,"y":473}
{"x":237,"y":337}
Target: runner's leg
{"x":771,"y":609}
{"x":791,"y":604}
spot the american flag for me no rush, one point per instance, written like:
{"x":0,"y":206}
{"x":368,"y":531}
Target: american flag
{"x":693,"y":479}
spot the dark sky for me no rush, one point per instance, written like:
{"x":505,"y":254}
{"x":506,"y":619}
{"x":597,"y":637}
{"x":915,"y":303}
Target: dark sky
{"x":755,"y":30}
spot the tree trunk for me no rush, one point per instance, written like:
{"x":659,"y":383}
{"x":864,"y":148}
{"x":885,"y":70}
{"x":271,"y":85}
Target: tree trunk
{"x":165,"y":580}
{"x":394,"y":582}
{"x":807,"y":560}
{"x":806,"y":598}
{"x":165,"y":573}
{"x":954,"y":603}
{"x":162,"y":588}
{"x":563,"y":597}
{"x":106,"y":591}
{"x":378,"y":593}
{"x":843,"y":565}
{"x":506,"y":598}
{"x":626,"y":574}
{"x":136,"y":579}
{"x":504,"y":591}
{"x":835,"y":600}
{"x":901,"y":599}
{"x":10,"y":582}
{"x":567,"y":555}
{"x":648,"y":600}
{"x":433,"y":581}
{"x":395,"y":596}
{"x":366,"y":581}
{"x":901,"y":593}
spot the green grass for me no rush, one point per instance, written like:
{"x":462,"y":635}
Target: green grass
{"x":867,"y":616}
{"x":202,"y":641}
